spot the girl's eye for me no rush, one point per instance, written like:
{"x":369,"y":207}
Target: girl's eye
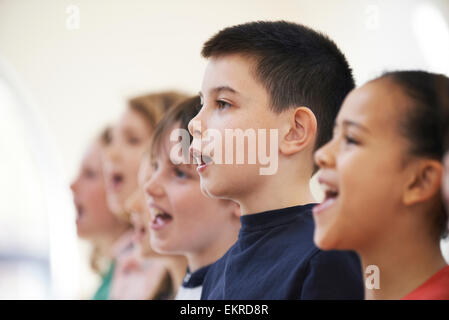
{"x":133,"y":140}
{"x":350,"y":140}
{"x":180,"y":174}
{"x":90,"y":174}
{"x":223,"y":104}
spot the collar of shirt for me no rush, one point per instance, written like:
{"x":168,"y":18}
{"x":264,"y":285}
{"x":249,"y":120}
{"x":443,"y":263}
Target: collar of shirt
{"x":195,"y":279}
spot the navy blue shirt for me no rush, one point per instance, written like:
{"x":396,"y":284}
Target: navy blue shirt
{"x":275,"y":258}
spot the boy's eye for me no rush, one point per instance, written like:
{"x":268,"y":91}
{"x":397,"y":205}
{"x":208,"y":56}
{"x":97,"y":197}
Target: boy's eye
{"x":223,"y":104}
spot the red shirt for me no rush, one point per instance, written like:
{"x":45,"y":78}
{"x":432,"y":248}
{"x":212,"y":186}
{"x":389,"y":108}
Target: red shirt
{"x":436,"y":288}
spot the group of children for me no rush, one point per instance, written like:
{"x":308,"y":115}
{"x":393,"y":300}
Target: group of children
{"x":203,"y":229}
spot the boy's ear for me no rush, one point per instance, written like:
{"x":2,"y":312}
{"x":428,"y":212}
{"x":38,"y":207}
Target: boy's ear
{"x":424,"y":183}
{"x":300,"y":131}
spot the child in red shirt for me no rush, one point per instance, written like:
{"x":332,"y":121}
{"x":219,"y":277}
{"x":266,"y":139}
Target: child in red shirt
{"x":381,"y":174}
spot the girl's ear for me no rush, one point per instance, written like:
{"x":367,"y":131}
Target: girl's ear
{"x":300,"y":132}
{"x":424,"y":183}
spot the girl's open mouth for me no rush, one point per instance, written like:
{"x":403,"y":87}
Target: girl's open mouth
{"x":330,"y":196}
{"x":116,"y":180}
{"x":160,"y":218}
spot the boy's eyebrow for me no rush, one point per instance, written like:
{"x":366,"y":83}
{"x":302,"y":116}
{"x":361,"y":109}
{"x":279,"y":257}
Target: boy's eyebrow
{"x":349,"y":123}
{"x":220,"y":89}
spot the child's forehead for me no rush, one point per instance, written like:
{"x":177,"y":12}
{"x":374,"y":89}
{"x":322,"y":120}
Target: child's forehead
{"x":232,"y":71}
{"x":376,"y":104}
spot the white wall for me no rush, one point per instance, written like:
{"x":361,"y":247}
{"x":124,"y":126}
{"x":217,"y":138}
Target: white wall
{"x":80,"y":78}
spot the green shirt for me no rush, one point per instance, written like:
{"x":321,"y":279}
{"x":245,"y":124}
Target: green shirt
{"x":106,"y":280}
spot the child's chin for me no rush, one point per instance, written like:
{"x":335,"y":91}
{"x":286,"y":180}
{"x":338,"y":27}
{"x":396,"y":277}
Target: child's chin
{"x":161,"y":248}
{"x":209,"y":189}
{"x":157,"y":245}
{"x":323,"y":242}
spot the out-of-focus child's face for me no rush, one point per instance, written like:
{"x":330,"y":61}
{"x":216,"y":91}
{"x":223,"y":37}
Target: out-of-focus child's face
{"x":94,"y":219}
{"x":231,"y":99}
{"x":363,"y":170}
{"x":446,"y":180}
{"x":183,"y":220}
{"x":140,"y":214}
{"x":130,"y":138}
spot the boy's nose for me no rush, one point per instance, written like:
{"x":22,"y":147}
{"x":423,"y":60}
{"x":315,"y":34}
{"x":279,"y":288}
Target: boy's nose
{"x":197,"y":123}
{"x":195,"y":127}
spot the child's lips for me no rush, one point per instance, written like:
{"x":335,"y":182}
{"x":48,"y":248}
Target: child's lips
{"x":160,"y":221}
{"x":202,"y":160}
{"x":116,"y":181}
{"x":202,"y":167}
{"x":331,"y":195}
{"x":79,"y":211}
{"x":160,"y":218}
{"x":326,"y":204}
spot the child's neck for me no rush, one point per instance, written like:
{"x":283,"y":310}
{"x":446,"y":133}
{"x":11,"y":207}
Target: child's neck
{"x":211,"y":252}
{"x":176,"y":266}
{"x":404,"y":262}
{"x":107,"y":244}
{"x":276,"y":194}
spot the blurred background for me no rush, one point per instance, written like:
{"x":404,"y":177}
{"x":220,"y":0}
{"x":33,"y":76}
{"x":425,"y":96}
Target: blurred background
{"x":67,"y":68}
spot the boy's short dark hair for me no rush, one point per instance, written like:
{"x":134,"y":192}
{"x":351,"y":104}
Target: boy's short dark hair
{"x":297,"y":65}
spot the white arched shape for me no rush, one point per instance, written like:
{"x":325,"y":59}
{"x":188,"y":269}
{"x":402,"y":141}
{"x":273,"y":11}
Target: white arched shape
{"x":432,"y":34}
{"x":54,"y":194}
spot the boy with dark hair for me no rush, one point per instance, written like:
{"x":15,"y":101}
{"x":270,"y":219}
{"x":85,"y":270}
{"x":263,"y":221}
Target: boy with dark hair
{"x":290,"y":80}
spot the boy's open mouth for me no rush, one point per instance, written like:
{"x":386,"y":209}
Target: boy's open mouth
{"x":205,"y":160}
{"x":160,"y":218}
{"x":201,"y":160}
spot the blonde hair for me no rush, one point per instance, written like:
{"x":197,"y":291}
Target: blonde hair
{"x":153,"y":106}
